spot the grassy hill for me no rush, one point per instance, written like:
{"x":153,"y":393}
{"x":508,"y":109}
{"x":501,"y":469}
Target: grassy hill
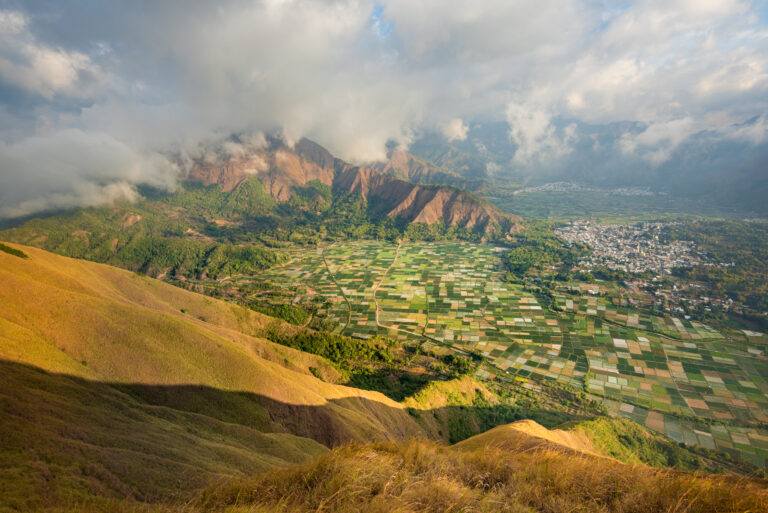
{"x":112,"y":377}
{"x":518,"y":468}
{"x":522,"y":467}
{"x":65,"y":439}
{"x":158,"y":238}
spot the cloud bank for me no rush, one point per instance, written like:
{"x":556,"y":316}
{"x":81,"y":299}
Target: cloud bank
{"x":95,"y":96}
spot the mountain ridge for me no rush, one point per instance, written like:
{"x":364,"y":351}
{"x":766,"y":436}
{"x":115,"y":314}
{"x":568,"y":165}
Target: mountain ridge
{"x":98,"y":322}
{"x":282,"y":169}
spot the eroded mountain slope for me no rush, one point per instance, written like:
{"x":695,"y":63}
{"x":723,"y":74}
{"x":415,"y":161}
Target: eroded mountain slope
{"x":284,"y":170}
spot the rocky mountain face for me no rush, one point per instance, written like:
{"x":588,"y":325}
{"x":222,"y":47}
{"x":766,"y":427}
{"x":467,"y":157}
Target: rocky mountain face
{"x":419,"y":203}
{"x":277,"y":167}
{"x":282,"y":170}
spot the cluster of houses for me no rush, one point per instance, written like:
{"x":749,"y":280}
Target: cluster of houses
{"x":580,"y":187}
{"x":631,"y":248}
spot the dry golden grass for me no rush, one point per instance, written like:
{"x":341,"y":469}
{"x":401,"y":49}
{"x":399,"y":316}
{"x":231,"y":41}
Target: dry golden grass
{"x":425,"y":477}
{"x":108,"y":388}
{"x":102,"y":323}
{"x":421,"y":476}
{"x":530,"y":434}
{"x":65,"y":438}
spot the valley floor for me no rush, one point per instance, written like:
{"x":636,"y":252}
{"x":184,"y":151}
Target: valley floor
{"x":678,"y":377}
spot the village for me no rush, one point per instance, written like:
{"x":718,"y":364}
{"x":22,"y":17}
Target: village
{"x":580,"y":187}
{"x":631,"y":248}
{"x":642,"y":250}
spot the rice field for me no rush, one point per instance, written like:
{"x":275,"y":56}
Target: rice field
{"x":660,"y":368}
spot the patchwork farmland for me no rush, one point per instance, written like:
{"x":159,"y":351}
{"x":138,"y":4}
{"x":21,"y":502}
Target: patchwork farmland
{"x":677,"y":377}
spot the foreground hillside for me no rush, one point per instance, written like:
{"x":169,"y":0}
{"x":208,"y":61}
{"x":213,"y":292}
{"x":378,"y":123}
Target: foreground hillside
{"x":507,"y":470}
{"x":119,"y":385}
{"x":101,"y":323}
{"x":517,"y":468}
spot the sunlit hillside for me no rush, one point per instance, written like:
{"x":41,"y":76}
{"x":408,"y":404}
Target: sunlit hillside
{"x":112,"y":377}
{"x":516,"y":468}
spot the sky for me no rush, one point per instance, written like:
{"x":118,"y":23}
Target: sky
{"x":97,"y":97}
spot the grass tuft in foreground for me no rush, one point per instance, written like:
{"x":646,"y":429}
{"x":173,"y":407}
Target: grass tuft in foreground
{"x":421,"y":476}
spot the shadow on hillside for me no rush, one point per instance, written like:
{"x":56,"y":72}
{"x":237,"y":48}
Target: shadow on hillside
{"x":336,"y":422}
{"x":67,"y":443}
{"x":64,"y":439}
{"x":395,"y":384}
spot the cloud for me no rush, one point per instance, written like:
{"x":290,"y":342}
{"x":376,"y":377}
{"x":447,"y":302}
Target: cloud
{"x":455,"y":130}
{"x":445,"y":32}
{"x":41,"y":69}
{"x":657,"y":142}
{"x":71,"y":168}
{"x":170,"y":78}
{"x":536,"y":137}
{"x":12,"y":22}
{"x":754,"y":131}
{"x":77,"y":194}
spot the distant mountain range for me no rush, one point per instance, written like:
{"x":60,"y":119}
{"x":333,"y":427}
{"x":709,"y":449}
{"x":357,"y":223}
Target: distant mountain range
{"x":388,"y":191}
{"x":406,"y":166}
{"x":232,"y":214}
{"x":726,"y":173}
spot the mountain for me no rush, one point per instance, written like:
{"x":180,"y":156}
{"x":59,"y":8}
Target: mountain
{"x":231,"y":215}
{"x":469,"y":158}
{"x":728,"y":173}
{"x":427,"y":204}
{"x":278,"y":167}
{"x":285,"y":172}
{"x":406,"y":166}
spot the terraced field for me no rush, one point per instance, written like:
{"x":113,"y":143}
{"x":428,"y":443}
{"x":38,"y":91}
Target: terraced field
{"x":677,"y":377}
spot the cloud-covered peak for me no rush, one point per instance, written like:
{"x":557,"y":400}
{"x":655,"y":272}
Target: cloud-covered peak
{"x":154,"y":80}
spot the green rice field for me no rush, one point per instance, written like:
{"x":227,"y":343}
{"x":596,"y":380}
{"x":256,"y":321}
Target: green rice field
{"x":659,"y":370}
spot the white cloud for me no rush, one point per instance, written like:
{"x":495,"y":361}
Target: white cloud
{"x":755,"y":132}
{"x":41,"y":69}
{"x":12,"y":22}
{"x":455,"y":130}
{"x":78,"y":194}
{"x":536,"y":137}
{"x":172,"y":76}
{"x":457,"y":31}
{"x":72,"y":167}
{"x":742,"y":73}
{"x":658,"y":141}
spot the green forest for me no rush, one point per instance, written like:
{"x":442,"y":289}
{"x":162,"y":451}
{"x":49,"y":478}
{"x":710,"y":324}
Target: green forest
{"x":742,"y":249}
{"x":537,"y":248}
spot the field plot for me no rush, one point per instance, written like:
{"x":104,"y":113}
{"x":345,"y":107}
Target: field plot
{"x":745,"y":442}
{"x":670,"y":326}
{"x":450,"y":293}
